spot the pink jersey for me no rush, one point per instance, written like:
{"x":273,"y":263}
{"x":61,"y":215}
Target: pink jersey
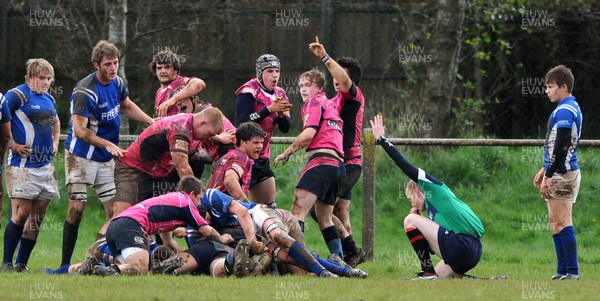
{"x":151,"y":152}
{"x":351,"y":111}
{"x":263,"y":100}
{"x":236,"y":161}
{"x":162,"y":94}
{"x":323,"y":115}
{"x":210,"y":145}
{"x":164,"y":213}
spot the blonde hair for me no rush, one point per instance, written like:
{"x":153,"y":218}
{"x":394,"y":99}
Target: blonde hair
{"x":411,"y":188}
{"x":314,"y":76}
{"x":104,"y":49}
{"x":35,"y":67}
{"x":212,"y":116}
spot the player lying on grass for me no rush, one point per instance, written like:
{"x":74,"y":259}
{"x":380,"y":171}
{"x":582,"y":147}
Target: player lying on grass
{"x":214,"y":259}
{"x":99,"y":254}
{"x":276,"y":227}
{"x":127,"y":233}
{"x":280,"y":230}
{"x":452,"y":230}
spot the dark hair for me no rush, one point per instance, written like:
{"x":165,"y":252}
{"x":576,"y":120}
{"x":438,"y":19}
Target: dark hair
{"x":561,"y":75}
{"x":353,"y":66}
{"x":188,"y":184}
{"x":248,"y":130}
{"x":166,"y":57}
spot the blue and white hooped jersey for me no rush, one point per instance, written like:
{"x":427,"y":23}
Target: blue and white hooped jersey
{"x":4,"y":113}
{"x":101,"y":105}
{"x":566,"y":115}
{"x":33,"y":117}
{"x":218,"y":204}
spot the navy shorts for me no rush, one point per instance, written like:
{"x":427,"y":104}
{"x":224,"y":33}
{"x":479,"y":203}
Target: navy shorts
{"x":353,"y":172}
{"x":124,"y":233}
{"x":261,"y":170}
{"x":461,"y":252}
{"x":205,"y":251}
{"x":322,"y":176}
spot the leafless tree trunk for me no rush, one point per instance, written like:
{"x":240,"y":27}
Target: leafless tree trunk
{"x":117,"y":34}
{"x":441,"y":73}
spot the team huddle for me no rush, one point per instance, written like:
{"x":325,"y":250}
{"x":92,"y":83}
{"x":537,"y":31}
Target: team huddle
{"x":152,"y":194}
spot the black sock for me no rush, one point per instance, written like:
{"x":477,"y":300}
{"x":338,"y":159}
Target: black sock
{"x":332,"y":239}
{"x":349,"y":245}
{"x":70,"y":232}
{"x":419,"y":243}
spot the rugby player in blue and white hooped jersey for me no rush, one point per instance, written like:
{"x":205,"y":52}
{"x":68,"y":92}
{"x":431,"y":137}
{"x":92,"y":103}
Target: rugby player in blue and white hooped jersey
{"x":96,"y":105}
{"x":4,"y":139}
{"x":227,"y":216}
{"x":30,"y":176}
{"x":559,"y":179}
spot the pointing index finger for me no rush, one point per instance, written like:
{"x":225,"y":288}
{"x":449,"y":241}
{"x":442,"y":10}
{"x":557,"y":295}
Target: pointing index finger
{"x":317,"y":39}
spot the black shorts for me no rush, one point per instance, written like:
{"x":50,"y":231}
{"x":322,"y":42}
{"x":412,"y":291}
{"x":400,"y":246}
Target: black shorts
{"x":237,"y":233}
{"x":322,"y":176}
{"x":261,"y":170}
{"x":205,"y":251}
{"x":353,"y":172}
{"x":461,"y":252}
{"x":124,"y":233}
{"x":149,"y":187}
{"x":197,"y":167}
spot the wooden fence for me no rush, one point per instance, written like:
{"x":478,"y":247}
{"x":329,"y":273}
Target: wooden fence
{"x":369,"y":188}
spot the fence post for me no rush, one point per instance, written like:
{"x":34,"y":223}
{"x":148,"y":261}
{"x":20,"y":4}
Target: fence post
{"x":368,"y":227}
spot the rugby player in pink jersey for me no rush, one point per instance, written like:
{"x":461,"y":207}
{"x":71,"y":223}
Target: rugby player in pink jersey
{"x":347,"y":74}
{"x":231,"y":175}
{"x":165,"y":64}
{"x":127,"y":234}
{"x":322,"y":137}
{"x":260,"y":100}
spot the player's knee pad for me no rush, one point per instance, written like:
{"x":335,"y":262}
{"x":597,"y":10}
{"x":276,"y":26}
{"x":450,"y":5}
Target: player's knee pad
{"x":106,"y":192}
{"x":77,"y":192}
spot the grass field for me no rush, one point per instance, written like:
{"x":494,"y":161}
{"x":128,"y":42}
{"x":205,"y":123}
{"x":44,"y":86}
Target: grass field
{"x":495,"y":181}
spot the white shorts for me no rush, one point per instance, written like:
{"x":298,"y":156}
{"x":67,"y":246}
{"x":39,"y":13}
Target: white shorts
{"x":260,"y":214}
{"x":565,"y":186}
{"x":82,"y":170}
{"x":32,"y":183}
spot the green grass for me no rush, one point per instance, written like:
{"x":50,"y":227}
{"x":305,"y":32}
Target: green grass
{"x":495,"y":181}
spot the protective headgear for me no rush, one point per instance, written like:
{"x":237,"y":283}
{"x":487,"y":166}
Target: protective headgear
{"x":265,"y":62}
